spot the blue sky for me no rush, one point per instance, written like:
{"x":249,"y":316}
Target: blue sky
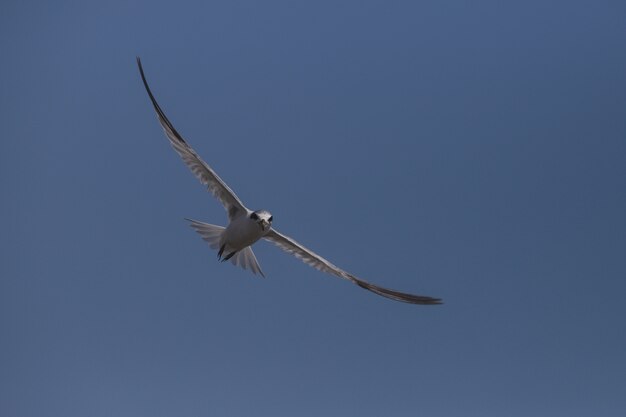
{"x":470,"y":151}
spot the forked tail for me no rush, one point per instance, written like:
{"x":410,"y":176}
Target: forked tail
{"x":210,"y":233}
{"x":213,"y":235}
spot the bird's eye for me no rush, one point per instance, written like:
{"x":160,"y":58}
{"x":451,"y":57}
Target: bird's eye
{"x":271,"y":218}
{"x":254,"y":216}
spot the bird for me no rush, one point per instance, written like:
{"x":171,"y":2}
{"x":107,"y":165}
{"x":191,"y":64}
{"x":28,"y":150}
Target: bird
{"x":246,"y":226}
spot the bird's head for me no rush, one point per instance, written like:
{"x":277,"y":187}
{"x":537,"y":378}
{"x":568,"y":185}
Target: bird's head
{"x":263,"y":218}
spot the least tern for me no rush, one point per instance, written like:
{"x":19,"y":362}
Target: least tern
{"x":246,"y":226}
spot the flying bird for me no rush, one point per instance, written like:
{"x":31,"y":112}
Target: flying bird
{"x":246,"y":226}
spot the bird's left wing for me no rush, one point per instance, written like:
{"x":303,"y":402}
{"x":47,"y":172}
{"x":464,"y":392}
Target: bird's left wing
{"x":313,"y":259}
{"x":234,"y":207}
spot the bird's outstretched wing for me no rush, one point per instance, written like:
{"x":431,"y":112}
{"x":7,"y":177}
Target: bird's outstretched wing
{"x":312,"y":259}
{"x":234,"y":207}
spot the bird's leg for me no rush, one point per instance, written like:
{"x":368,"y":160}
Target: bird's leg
{"x":230,"y":255}
{"x":219,"y":254}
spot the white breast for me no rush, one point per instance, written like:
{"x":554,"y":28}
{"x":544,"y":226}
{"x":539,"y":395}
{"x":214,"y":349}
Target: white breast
{"x":242,"y":232}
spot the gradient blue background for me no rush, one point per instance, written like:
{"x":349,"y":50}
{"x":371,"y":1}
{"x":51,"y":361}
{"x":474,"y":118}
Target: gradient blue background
{"x":474,"y":151}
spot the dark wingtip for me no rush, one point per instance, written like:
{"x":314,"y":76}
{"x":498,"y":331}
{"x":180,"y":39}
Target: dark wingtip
{"x":143,"y":77}
{"x":162,"y":117}
{"x":399,"y":296}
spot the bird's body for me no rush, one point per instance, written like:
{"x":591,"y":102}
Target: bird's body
{"x":246,"y":227}
{"x":241,"y":232}
{"x":244,"y":231}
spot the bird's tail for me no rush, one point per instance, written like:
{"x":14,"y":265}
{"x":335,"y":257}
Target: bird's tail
{"x":245,"y":258}
{"x":213,"y":235}
{"x":210,"y":233}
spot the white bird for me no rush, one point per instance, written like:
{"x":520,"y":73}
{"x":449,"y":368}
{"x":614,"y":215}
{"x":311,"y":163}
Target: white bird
{"x":246,"y":227}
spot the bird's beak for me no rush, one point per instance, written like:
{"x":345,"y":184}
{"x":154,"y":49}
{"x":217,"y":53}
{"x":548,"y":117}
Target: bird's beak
{"x":265,"y":225}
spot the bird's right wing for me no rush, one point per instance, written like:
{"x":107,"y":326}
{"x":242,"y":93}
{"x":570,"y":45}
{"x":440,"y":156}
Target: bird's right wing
{"x":313,"y":259}
{"x":234,"y":207}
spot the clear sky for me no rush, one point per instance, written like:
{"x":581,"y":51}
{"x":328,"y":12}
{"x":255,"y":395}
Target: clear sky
{"x":474,"y":151}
